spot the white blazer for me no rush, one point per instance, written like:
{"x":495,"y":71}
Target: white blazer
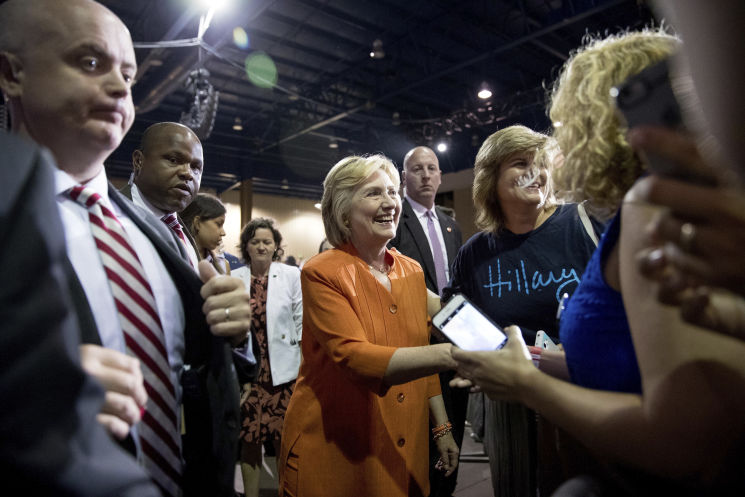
{"x":284,"y":318}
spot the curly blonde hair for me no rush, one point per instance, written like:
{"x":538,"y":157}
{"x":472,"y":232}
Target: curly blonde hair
{"x":599,"y":163}
{"x":495,"y":150}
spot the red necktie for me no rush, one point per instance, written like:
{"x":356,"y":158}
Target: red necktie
{"x":172,"y":222}
{"x":144,"y":338}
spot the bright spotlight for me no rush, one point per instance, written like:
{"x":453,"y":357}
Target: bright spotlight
{"x":484,"y":91}
{"x":213,"y":4}
{"x":442,"y":147}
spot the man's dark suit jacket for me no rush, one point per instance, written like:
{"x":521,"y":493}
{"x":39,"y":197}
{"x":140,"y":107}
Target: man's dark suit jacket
{"x":127,"y":192}
{"x":50,"y":441}
{"x":210,"y":388}
{"x":411,"y":241}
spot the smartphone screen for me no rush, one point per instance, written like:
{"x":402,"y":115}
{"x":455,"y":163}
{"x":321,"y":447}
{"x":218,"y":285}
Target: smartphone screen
{"x":467,"y":327}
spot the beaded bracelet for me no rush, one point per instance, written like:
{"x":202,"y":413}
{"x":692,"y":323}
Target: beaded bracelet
{"x":440,"y":431}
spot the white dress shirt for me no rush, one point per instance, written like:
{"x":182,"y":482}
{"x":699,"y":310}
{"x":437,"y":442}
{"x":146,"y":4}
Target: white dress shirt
{"x":83,"y":254}
{"x":139,"y":199}
{"x":421,"y":214}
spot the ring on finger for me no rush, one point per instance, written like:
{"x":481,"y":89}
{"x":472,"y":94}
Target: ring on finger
{"x":687,"y":236}
{"x":227,"y":314}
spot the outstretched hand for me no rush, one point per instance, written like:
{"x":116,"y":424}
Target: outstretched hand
{"x":501,"y":374}
{"x":227,"y":307}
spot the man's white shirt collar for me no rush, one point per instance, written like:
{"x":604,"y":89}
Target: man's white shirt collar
{"x":419,"y":209}
{"x":139,"y":199}
{"x":99,"y":184}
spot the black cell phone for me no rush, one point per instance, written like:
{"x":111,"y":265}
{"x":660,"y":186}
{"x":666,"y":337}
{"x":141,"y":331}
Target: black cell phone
{"x":647,"y":98}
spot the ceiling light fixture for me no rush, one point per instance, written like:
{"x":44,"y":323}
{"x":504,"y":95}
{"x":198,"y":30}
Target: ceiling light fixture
{"x":237,"y":125}
{"x":377,"y":51}
{"x":293,"y":93}
{"x":484,"y":91}
{"x":442,"y":147}
{"x":333,"y":143}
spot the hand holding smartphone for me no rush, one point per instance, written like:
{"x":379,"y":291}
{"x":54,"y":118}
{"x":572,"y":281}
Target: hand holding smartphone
{"x":648,"y":98}
{"x":467,"y":327}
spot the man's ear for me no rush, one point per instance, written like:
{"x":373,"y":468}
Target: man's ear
{"x":11,"y":75}
{"x":137,"y":158}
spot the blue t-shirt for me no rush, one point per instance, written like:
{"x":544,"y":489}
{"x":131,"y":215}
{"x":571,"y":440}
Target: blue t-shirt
{"x":595,"y":331}
{"x":519,"y":279}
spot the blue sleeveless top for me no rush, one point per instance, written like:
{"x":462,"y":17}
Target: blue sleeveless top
{"x":594,"y":329}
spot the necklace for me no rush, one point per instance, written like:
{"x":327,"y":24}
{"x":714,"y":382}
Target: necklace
{"x":384,"y":269}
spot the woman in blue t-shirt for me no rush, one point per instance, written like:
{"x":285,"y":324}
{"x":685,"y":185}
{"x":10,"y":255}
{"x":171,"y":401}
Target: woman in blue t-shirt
{"x":531,"y":252}
{"x":685,"y":421}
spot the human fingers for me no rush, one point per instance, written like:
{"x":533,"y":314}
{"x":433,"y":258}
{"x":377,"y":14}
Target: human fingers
{"x":228,"y":314}
{"x":652,"y":263}
{"x":206,"y":271}
{"x":465,"y":357}
{"x":116,"y":427}
{"x":690,"y":201}
{"x":221,"y":284}
{"x":122,"y":407}
{"x":453,"y":457}
{"x":672,"y":145}
{"x":716,"y":310}
{"x":515,"y":342}
{"x":460,"y":382}
{"x":117,"y":372}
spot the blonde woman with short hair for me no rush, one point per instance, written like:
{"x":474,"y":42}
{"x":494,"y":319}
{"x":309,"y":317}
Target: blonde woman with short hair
{"x":357,"y":423}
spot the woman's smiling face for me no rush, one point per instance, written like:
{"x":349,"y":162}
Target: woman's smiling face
{"x":521,"y":182}
{"x":376,"y":207}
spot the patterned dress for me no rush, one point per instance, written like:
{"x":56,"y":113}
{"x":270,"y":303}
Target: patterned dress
{"x":263,"y":411}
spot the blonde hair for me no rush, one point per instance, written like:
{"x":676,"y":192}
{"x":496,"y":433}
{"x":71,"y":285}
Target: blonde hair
{"x":496,"y":149}
{"x":339,"y":187}
{"x":599,"y":163}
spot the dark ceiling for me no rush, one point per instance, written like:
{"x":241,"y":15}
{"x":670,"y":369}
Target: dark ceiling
{"x":328,"y":87}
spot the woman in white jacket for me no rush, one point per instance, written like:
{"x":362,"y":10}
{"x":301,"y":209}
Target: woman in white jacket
{"x":276,"y":326}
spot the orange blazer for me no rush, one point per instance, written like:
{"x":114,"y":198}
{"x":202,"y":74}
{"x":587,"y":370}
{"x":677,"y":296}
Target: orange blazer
{"x":353,"y":435}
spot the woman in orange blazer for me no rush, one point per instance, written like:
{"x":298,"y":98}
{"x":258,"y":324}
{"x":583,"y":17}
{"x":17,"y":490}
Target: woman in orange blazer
{"x":357,"y":423}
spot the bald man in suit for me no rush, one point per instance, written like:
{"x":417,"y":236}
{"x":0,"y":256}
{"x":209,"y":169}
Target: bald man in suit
{"x":66,"y":69}
{"x":50,"y":443}
{"x":431,"y":237}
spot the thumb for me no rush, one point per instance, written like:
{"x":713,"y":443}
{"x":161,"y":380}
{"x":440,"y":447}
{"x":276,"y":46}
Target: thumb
{"x":515,"y":340}
{"x":206,"y":271}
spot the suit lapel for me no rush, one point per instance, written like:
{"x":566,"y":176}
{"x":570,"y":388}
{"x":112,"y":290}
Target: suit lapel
{"x":448,"y":234}
{"x":411,"y":223}
{"x":187,"y":234}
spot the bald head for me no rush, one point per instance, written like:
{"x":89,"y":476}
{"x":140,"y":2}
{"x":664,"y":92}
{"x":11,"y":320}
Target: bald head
{"x":26,"y":23}
{"x":155,"y":132}
{"x":168,"y":166}
{"x":67,"y":68}
{"x":421,"y":175}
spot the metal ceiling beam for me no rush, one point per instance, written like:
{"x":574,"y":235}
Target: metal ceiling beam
{"x":191,"y":61}
{"x":491,"y":53}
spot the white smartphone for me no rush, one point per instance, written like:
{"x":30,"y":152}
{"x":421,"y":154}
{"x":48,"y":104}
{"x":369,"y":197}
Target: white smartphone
{"x":544,"y":341}
{"x":467,"y":327}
